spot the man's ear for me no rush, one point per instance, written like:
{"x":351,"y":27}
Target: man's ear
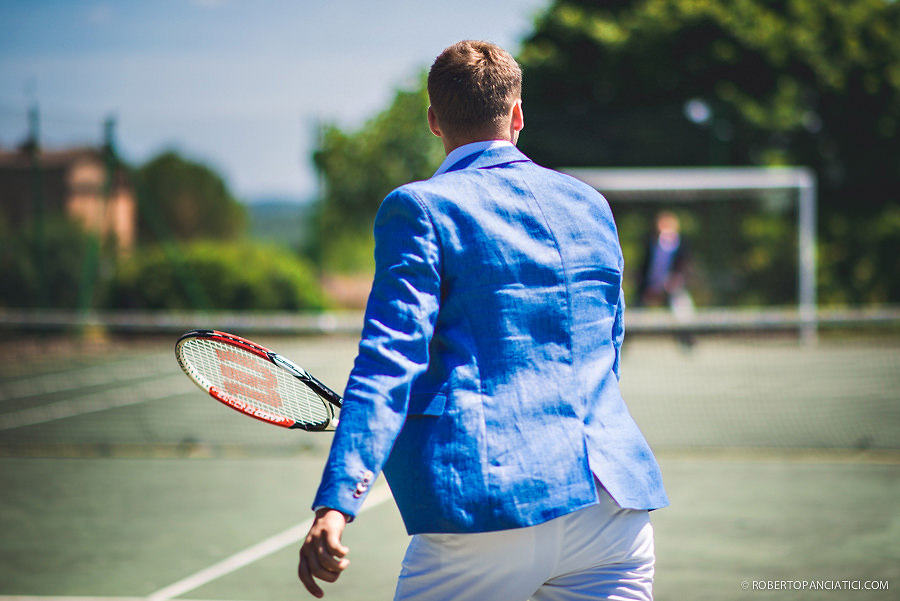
{"x":517,"y":121}
{"x":433,"y":124}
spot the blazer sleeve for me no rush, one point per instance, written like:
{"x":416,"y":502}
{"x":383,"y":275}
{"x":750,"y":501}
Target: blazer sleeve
{"x":393,"y":350}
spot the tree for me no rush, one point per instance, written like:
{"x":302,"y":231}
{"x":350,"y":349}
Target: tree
{"x":57,"y":281}
{"x":746,"y":82}
{"x":359,"y":169}
{"x":185,"y":200}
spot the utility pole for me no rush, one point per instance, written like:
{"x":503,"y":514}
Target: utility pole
{"x":92,"y":257}
{"x":33,"y":146}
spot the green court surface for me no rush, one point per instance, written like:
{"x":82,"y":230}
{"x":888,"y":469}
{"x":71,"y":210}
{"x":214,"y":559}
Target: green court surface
{"x":119,"y":479}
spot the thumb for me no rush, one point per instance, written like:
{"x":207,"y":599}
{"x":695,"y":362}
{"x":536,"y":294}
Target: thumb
{"x":336,"y":548}
{"x":334,"y":531}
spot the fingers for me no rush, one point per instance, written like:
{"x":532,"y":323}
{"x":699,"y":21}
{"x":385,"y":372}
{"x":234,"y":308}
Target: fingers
{"x":318,"y":562}
{"x":322,"y":559}
{"x":307,"y":579}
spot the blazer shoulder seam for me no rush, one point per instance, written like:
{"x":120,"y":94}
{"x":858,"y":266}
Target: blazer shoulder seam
{"x":417,"y":198}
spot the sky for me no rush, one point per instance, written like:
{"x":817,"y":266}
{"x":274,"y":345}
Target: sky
{"x":239,"y":85}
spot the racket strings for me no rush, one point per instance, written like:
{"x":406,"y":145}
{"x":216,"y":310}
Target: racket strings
{"x":254,"y":381}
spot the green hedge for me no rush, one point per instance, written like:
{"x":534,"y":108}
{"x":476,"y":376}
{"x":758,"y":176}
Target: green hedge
{"x":46,"y":267}
{"x":211,"y":276}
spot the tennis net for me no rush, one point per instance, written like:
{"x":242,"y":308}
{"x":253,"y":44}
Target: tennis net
{"x":721,"y":380}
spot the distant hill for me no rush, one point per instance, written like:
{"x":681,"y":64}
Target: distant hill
{"x":279,"y":221}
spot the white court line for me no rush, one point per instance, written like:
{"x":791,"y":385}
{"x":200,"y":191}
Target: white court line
{"x":74,"y":378}
{"x":108,"y":399}
{"x":252,"y":554}
{"x":40,"y":598}
{"x":71,"y":598}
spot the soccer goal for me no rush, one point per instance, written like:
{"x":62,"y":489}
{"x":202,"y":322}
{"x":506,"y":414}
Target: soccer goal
{"x":793,"y":189}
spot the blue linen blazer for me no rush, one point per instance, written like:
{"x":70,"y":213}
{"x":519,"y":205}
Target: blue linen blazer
{"x":486,"y":386}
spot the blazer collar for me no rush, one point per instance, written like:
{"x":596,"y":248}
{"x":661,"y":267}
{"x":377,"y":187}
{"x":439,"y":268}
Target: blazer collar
{"x":491,"y":157}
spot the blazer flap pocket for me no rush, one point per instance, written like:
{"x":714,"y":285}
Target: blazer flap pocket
{"x":427,"y":403}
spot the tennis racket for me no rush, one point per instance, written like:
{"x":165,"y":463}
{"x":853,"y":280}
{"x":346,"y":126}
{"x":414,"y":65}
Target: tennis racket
{"x":257,"y":382}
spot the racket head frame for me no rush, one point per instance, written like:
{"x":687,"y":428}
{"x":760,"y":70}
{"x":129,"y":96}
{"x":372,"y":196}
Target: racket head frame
{"x":331,"y":399}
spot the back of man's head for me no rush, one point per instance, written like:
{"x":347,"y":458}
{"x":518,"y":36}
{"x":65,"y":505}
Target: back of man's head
{"x":472,"y":86}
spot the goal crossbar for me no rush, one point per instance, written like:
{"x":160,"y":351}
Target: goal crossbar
{"x":714,"y":182}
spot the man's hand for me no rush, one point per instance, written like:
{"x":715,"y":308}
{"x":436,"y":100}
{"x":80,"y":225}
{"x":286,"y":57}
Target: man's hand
{"x":322,"y":555}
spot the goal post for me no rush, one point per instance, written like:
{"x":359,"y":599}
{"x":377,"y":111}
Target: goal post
{"x":710,"y":183}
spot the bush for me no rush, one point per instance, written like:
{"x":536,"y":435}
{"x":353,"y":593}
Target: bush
{"x":210,"y":276}
{"x":46,"y":267}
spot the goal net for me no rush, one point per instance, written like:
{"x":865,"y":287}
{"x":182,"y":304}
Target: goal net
{"x":751,"y":230}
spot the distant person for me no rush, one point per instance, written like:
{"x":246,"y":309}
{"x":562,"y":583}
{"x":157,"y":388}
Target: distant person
{"x":663,"y":275}
{"x":487,"y":380}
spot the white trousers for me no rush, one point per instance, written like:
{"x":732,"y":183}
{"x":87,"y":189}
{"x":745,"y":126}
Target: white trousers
{"x":598,"y":552}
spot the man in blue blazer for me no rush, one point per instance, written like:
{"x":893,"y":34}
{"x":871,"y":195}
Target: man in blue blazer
{"x":487,"y":381}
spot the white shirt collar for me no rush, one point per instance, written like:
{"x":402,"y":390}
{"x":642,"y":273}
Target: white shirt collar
{"x":466,"y":149}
